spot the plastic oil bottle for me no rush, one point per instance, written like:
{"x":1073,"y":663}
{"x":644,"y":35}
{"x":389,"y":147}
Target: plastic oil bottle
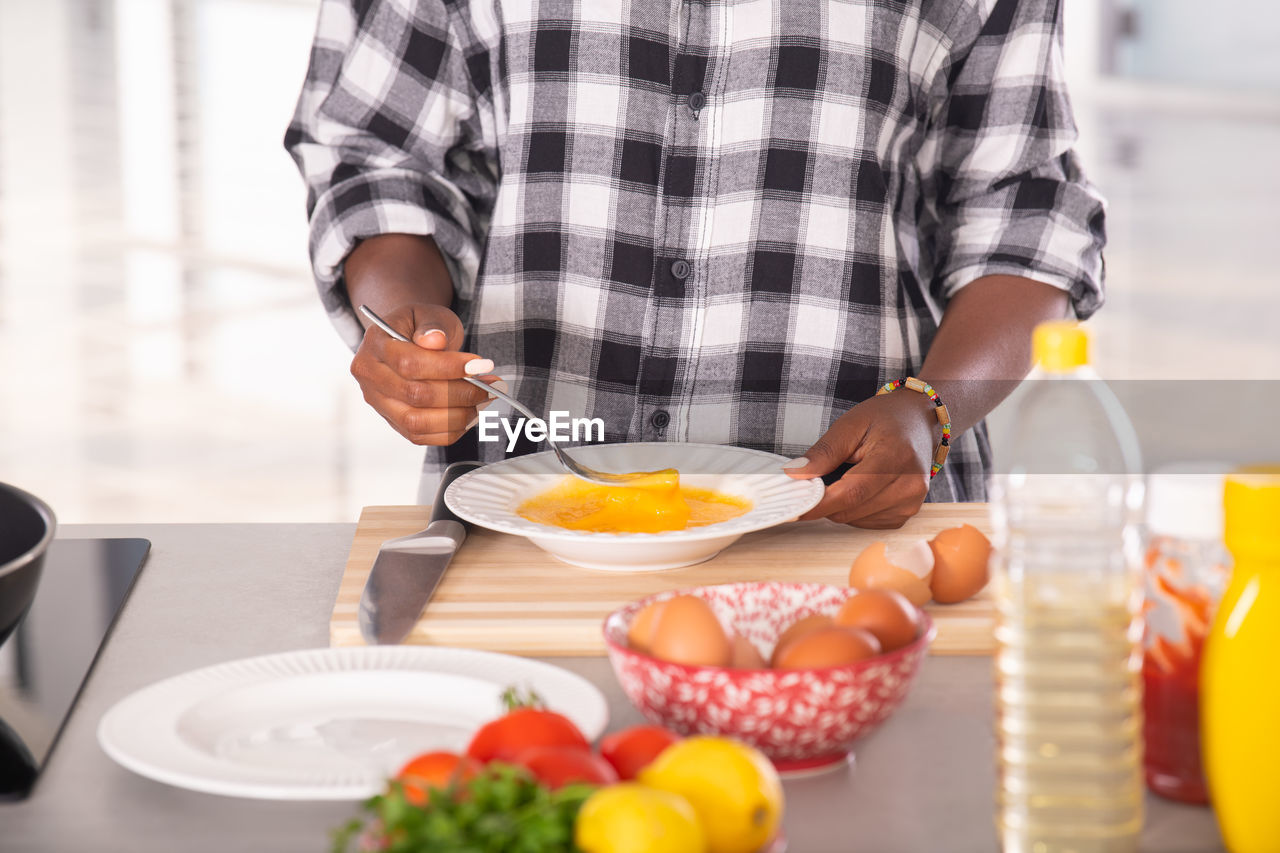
{"x":1240,"y":676}
{"x":1068,"y":585}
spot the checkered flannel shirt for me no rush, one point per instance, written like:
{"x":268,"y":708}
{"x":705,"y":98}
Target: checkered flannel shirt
{"x":721,"y":221}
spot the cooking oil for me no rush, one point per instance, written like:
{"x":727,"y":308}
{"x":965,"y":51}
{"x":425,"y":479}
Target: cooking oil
{"x":1068,"y":724}
{"x":1068,"y":586}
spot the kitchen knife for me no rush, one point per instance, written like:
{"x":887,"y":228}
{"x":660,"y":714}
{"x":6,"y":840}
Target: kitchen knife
{"x":408,"y":569}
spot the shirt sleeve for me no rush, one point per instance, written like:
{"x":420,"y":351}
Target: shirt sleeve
{"x":389,"y":134}
{"x":998,"y":164}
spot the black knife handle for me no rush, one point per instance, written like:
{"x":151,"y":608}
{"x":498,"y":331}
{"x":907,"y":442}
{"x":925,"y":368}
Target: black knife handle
{"x":439,"y":510}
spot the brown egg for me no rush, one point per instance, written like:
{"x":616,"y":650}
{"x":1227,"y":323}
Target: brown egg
{"x":745,"y":655}
{"x":687,"y":631}
{"x":796,"y":630}
{"x":961,"y":563}
{"x":832,"y":646}
{"x":640,"y":634}
{"x":884,"y":613}
{"x":904,"y":569}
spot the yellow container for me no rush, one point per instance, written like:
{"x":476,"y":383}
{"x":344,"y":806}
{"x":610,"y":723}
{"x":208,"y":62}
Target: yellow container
{"x":1240,"y":675}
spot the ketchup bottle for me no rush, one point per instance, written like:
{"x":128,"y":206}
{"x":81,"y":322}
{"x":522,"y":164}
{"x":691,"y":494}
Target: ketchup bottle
{"x":1240,"y":681}
{"x":1186,"y":571}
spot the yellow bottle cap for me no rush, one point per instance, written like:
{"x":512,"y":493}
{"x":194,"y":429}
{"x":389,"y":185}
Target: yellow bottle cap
{"x":1060,"y":346}
{"x":1252,"y":504}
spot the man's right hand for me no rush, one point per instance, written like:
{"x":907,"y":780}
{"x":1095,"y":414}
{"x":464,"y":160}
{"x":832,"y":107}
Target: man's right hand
{"x":418,"y":387}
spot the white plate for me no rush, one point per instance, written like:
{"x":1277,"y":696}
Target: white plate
{"x":325,"y":724}
{"x":489,"y":496}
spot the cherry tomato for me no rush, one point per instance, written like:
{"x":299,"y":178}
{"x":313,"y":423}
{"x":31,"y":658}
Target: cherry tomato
{"x":435,"y":770}
{"x":631,"y":750}
{"x":557,"y":766}
{"x":506,"y":737}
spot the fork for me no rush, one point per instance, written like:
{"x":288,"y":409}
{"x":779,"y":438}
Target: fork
{"x":574,"y":467}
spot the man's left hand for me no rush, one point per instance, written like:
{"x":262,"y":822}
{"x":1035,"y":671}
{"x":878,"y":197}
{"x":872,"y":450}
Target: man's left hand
{"x":889,"y":440}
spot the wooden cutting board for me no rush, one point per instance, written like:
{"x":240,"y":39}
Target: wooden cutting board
{"x":503,"y":594}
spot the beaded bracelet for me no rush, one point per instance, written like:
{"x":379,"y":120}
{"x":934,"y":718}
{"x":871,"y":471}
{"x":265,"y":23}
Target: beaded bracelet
{"x":944,"y":417}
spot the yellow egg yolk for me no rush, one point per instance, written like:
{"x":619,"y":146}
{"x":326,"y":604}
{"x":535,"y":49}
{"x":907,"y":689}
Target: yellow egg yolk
{"x":653,"y":504}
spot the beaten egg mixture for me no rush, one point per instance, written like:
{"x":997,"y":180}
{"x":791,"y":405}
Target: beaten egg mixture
{"x":650,"y":505}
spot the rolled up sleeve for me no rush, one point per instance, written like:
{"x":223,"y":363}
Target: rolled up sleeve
{"x":1008,"y":191}
{"x":390,"y":135}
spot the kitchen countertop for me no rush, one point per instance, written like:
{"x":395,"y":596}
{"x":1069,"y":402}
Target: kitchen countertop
{"x":216,"y":592}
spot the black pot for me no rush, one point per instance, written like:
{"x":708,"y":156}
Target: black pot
{"x":26,"y":529}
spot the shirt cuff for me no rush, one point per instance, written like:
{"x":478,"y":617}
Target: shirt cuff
{"x":368,"y":205}
{"x":1085,"y":293}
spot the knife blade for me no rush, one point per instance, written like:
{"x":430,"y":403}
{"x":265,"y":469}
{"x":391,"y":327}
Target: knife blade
{"x":409,"y":568}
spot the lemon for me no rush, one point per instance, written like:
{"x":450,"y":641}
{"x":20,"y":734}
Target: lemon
{"x":630,"y":818}
{"x":733,"y":788}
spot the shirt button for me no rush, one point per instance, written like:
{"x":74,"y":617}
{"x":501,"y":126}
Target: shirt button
{"x":696,"y":102}
{"x":660,"y":419}
{"x":680,"y":270}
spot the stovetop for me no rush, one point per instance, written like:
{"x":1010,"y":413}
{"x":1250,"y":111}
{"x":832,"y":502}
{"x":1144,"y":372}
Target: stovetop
{"x":47,"y":659}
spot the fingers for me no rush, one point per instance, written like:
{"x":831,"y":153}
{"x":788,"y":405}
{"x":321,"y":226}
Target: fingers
{"x":428,"y":426}
{"x":880,"y":521}
{"x":435,"y":327}
{"x":835,"y":447}
{"x":411,"y":361}
{"x":878,"y":468}
{"x":889,"y":508}
{"x":418,"y":386}
{"x":432,"y":352}
{"x":432,"y":339}
{"x":850,"y":491}
{"x":431,"y":326}
{"x":383,"y":381}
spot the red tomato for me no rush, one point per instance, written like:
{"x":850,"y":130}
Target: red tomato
{"x":506,"y":737}
{"x":631,"y":750}
{"x":435,"y":770}
{"x":557,"y":766}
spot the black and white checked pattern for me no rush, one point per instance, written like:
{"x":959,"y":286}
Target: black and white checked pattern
{"x":718,"y":221}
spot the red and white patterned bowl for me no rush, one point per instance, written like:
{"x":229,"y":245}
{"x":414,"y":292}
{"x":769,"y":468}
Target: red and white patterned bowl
{"x":803,"y":719}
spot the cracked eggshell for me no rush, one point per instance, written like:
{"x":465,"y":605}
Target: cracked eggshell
{"x":906,"y":569}
{"x":961,"y":563}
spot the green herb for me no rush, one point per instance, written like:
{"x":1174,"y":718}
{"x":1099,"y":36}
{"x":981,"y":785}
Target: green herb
{"x":513,"y":699}
{"x":503,"y":810}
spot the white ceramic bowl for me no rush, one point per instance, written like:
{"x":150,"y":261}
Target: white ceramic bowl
{"x":489,"y":496}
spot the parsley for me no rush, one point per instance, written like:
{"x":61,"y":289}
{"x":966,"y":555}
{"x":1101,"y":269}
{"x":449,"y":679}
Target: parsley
{"x":513,"y":699}
{"x":503,"y":810}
